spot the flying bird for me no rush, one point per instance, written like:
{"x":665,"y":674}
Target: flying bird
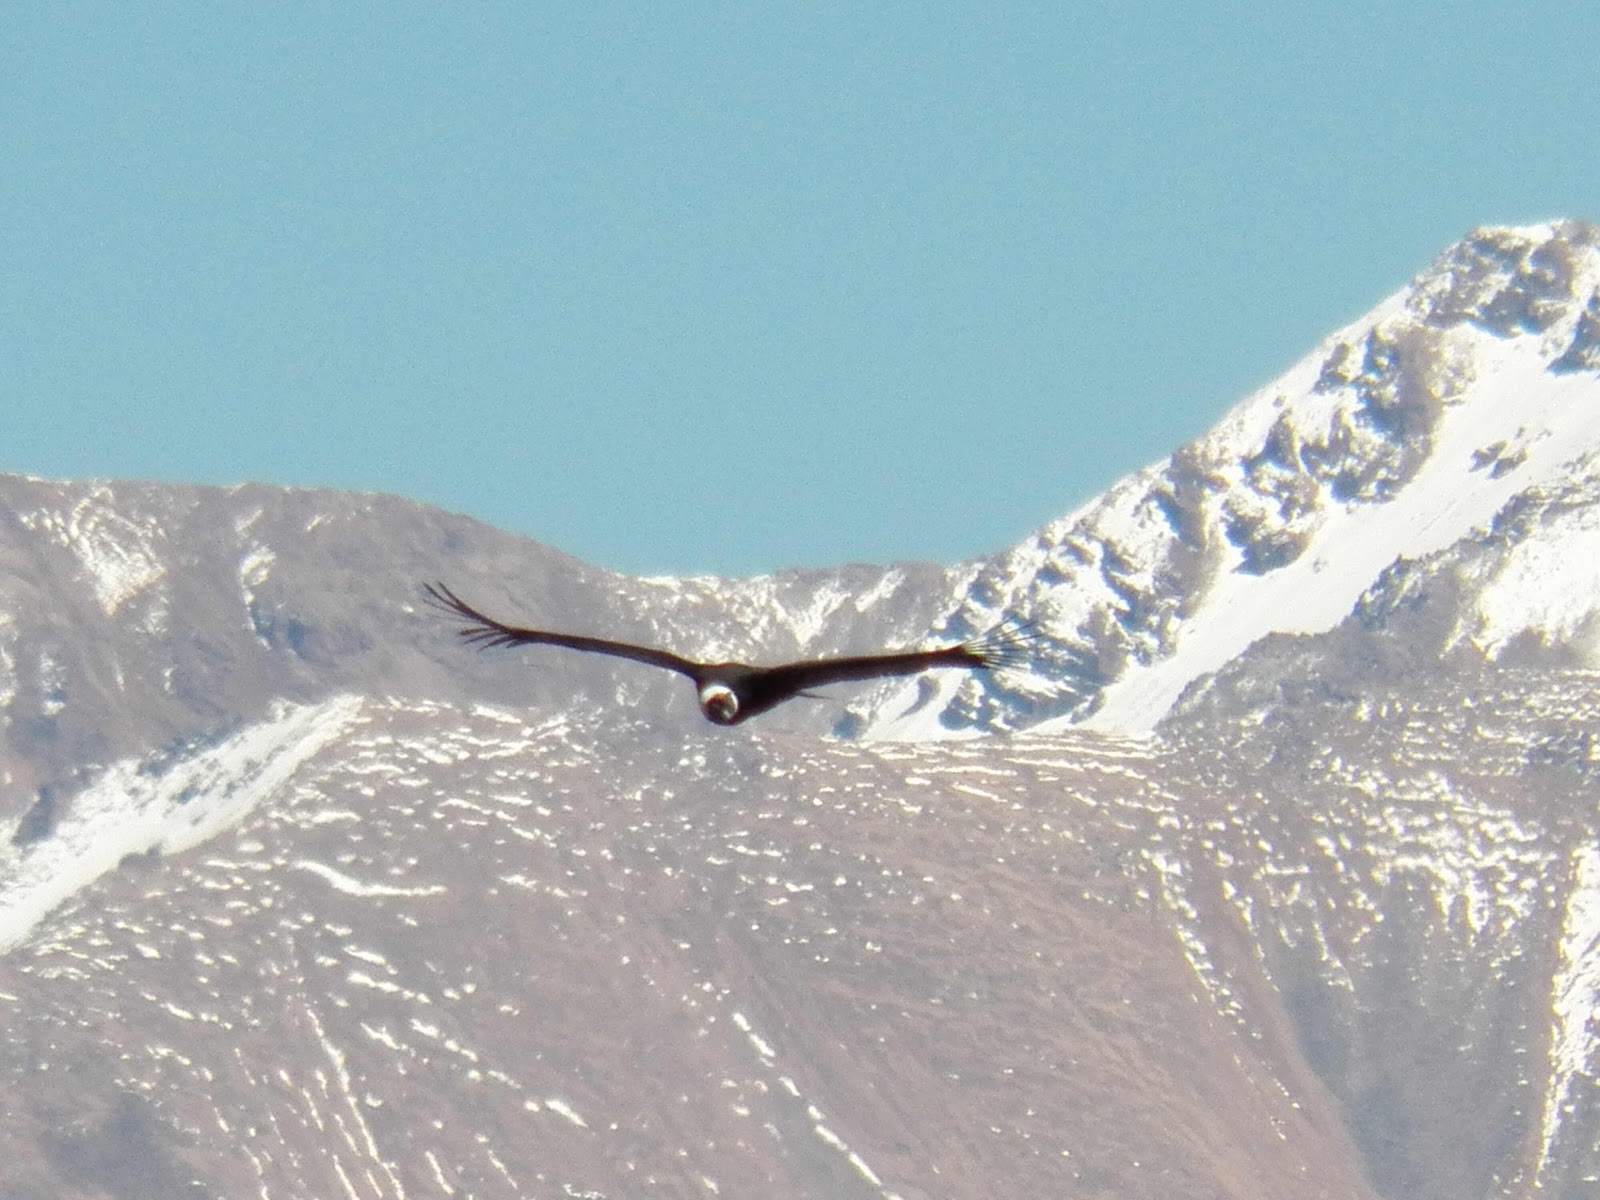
{"x":731,"y":692}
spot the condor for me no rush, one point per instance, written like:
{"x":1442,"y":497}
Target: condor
{"x":731,"y":692}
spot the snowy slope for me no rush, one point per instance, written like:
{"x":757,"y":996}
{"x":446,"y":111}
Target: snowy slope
{"x":1341,"y":953}
{"x":1396,"y":438}
{"x":152,"y":807}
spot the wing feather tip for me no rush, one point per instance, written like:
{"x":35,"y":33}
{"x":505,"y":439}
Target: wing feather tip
{"x":1008,"y":646}
{"x":481,"y":633}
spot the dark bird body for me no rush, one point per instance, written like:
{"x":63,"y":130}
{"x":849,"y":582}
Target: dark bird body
{"x":731,"y":692}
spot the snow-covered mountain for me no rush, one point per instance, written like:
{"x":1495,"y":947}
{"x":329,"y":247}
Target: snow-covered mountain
{"x":1433,"y":423}
{"x":136,"y":617}
{"x":1277,"y":877}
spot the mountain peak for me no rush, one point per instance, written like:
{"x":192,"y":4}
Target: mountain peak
{"x":1396,"y":438}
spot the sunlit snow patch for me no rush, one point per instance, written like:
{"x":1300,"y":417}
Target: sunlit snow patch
{"x":119,"y":554}
{"x":1576,"y":999}
{"x":130,"y":810}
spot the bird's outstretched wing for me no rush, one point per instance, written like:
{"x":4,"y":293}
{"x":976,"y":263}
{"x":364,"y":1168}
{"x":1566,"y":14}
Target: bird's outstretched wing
{"x":484,"y":631}
{"x":1008,"y":645}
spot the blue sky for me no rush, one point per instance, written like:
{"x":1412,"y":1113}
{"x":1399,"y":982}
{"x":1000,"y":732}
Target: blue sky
{"x":689,"y":287}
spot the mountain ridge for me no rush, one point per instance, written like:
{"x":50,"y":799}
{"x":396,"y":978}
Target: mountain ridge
{"x":1273,"y":878}
{"x":1395,"y":437}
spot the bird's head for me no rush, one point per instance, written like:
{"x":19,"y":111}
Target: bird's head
{"x":720,"y":703}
